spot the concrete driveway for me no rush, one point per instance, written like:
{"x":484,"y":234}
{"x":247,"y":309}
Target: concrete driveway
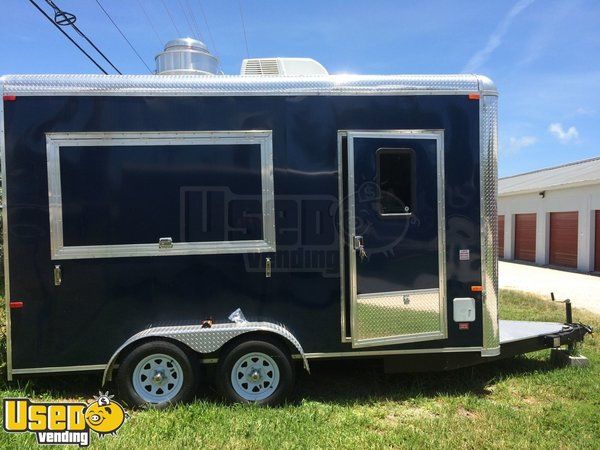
{"x":583,"y":290}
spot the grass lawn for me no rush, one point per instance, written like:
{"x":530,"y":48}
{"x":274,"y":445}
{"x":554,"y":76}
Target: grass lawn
{"x":517,"y":403}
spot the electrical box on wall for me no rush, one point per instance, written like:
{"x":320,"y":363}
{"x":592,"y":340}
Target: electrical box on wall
{"x":464,"y":309}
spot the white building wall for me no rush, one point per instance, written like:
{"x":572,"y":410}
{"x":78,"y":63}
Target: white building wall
{"x":583,"y":199}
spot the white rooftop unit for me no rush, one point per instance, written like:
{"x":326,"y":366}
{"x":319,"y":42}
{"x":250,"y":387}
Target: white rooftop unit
{"x":282,"y":66}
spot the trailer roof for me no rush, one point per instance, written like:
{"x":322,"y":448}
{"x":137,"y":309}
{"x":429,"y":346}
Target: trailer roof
{"x":196,"y":85}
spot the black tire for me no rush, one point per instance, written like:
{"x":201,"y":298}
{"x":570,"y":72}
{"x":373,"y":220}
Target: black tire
{"x":125,"y":374}
{"x":272,"y":349}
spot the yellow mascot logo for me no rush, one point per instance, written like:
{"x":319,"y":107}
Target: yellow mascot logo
{"x":104,"y":415}
{"x":64,"y":423}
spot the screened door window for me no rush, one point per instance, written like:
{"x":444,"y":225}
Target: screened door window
{"x":195,"y":194}
{"x":396,"y":178}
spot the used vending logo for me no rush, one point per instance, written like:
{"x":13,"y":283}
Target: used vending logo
{"x":63,"y":422}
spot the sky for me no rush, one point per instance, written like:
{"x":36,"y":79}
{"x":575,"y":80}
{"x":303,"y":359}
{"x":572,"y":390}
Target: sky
{"x":543,"y":55}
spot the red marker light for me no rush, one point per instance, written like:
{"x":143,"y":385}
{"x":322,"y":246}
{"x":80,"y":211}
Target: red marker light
{"x":474,"y":96}
{"x":9,"y":98}
{"x":15,"y":305}
{"x":476,"y":288}
{"x":463,"y":326}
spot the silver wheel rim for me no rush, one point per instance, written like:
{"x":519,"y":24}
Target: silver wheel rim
{"x":255,"y":376}
{"x":157,"y":378}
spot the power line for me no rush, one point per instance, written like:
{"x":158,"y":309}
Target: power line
{"x":124,"y":37}
{"x":194,"y":21}
{"x":150,"y":22}
{"x":210,"y":35}
{"x":187,"y":19}
{"x":68,"y":37}
{"x":170,"y":17}
{"x":63,"y":18}
{"x":244,"y":28}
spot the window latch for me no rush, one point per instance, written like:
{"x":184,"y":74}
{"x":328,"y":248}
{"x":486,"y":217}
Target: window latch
{"x":268,"y":267}
{"x":57,"y":275}
{"x":165,"y":242}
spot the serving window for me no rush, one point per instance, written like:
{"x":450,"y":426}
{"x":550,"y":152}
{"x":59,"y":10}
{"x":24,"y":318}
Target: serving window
{"x":155,"y":194}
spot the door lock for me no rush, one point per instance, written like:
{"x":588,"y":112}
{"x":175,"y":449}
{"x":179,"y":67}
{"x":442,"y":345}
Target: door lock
{"x":359,"y":245}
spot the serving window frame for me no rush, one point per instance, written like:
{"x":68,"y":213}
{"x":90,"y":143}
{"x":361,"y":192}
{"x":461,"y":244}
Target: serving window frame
{"x":56,"y":141}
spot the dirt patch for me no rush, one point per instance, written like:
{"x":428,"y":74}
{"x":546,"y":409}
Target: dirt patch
{"x":531,"y":400}
{"x":462,"y":412}
{"x":408,"y":414}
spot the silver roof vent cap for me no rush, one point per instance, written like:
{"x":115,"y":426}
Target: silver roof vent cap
{"x":186,"y":56}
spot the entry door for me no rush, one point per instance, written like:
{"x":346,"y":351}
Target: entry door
{"x":396,"y":236}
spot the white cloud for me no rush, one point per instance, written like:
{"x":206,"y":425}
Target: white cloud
{"x":494,"y":41}
{"x":581,"y":111}
{"x":516,"y":144}
{"x":557,"y":130}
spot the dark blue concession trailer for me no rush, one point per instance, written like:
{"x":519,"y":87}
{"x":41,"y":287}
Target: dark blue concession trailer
{"x":154,"y":225}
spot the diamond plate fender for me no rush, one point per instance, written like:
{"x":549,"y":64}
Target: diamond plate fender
{"x":205,"y":340}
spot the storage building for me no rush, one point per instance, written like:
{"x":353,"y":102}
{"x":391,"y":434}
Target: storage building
{"x":552,"y":216}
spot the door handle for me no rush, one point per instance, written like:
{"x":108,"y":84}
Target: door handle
{"x":359,"y":245}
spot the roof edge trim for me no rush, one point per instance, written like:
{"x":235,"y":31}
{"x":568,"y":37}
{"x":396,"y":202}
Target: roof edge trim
{"x":190,"y":85}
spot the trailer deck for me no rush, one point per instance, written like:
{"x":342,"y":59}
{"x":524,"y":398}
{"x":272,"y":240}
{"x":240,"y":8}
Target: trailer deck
{"x":519,"y":330}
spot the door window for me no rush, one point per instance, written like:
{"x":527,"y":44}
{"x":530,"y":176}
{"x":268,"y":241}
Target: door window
{"x":396,"y":178}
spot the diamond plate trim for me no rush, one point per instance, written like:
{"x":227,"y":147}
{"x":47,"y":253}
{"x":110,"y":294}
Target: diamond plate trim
{"x":489,"y":223}
{"x":7,"y":297}
{"x":403,"y":316}
{"x":205,"y":340}
{"x":190,"y":85}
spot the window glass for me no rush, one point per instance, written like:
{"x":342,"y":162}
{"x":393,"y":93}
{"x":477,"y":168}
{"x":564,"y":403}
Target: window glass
{"x":116,"y":195}
{"x":395,"y":169}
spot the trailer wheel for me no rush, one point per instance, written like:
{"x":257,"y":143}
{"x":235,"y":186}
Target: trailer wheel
{"x":156,"y":374}
{"x":257,"y":372}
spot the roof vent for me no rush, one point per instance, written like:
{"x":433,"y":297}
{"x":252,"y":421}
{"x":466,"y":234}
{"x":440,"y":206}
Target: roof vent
{"x":282,"y":67}
{"x":186,"y":56}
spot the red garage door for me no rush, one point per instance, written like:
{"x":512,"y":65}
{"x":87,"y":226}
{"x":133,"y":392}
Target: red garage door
{"x":563,"y":238}
{"x":525,"y":237}
{"x":500,"y":236}
{"x":597,"y":264}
